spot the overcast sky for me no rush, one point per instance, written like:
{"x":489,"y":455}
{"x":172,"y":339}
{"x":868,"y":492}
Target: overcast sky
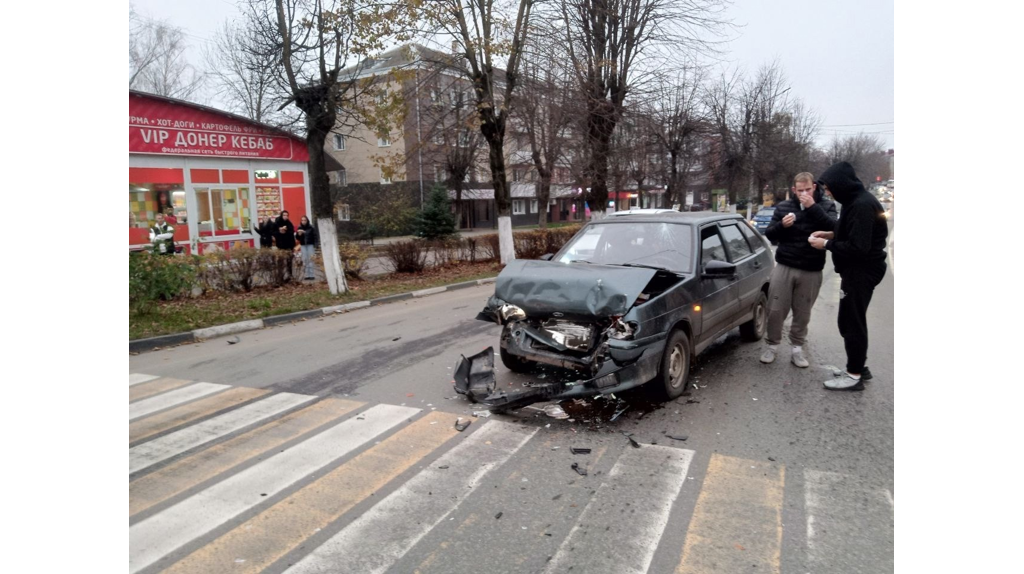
{"x":838,"y":55}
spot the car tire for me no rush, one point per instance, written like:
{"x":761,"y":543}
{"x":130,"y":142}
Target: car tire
{"x":516,"y":364}
{"x":753,"y":330}
{"x":675,"y":367}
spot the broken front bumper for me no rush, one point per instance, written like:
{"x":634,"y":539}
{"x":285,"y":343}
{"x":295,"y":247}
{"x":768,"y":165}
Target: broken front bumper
{"x":474,"y":377}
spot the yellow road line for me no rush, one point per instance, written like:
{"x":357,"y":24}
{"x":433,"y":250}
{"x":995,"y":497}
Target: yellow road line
{"x":265,"y":538}
{"x":195,"y":469}
{"x":737,"y":522}
{"x":160,"y":422}
{"x":155,"y":387}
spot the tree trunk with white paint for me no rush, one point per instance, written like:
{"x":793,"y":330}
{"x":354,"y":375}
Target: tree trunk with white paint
{"x":508,"y":248}
{"x":332,"y":260}
{"x":596,"y":215}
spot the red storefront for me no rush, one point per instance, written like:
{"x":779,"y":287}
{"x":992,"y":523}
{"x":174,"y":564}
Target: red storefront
{"x":215,"y":173}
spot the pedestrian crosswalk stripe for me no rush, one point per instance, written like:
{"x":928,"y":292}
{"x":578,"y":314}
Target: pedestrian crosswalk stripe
{"x":163,"y":448}
{"x":259,"y":542}
{"x":737,"y":522}
{"x":162,"y":421}
{"x":155,"y":387}
{"x":159,"y":535}
{"x":138,"y":378}
{"x":644,"y":484}
{"x":848,"y":525}
{"x":196,"y":468}
{"x":384,"y":533}
{"x":173,"y":398}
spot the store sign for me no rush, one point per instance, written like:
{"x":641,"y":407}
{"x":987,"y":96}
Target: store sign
{"x":157,"y":126}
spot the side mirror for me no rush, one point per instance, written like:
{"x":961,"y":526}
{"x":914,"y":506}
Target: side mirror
{"x":547,"y":256}
{"x":715,"y":268}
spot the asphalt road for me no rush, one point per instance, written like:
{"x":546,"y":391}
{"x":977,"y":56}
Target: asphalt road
{"x":775,"y":475}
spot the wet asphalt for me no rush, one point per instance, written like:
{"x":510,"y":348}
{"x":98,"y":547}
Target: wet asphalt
{"x":779,"y":415}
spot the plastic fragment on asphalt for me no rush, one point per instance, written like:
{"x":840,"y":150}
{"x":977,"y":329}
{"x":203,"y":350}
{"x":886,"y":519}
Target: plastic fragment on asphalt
{"x":618,"y":413}
{"x":234,"y":340}
{"x":576,"y":450}
{"x":555,"y":412}
{"x":677,"y":437}
{"x":483,"y":414}
{"x":633,"y":442}
{"x":498,"y":515}
{"x":433,"y":422}
{"x":771,"y":458}
{"x":396,"y":338}
{"x":443,"y":467}
{"x":579,"y":469}
{"x":461,"y":426}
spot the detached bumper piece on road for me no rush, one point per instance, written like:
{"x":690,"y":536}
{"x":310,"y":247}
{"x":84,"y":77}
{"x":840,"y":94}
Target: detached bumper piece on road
{"x":474,"y":377}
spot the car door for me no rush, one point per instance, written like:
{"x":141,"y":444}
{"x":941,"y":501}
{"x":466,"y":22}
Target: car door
{"x":748,"y":266}
{"x":719,"y":302}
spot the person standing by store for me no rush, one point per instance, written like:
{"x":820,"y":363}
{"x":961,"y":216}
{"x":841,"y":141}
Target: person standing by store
{"x":858,"y":253}
{"x":796,"y":279}
{"x":266,"y":232}
{"x":161,"y":236}
{"x":307,"y":236}
{"x":284,"y":237}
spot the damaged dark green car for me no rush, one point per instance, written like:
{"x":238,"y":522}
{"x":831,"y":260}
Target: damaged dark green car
{"x":628,"y":301}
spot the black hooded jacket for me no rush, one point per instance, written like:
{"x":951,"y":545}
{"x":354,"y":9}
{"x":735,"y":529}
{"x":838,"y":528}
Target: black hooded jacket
{"x":793,"y":249}
{"x":859,"y":243}
{"x":266,"y":232}
{"x":284,"y":240}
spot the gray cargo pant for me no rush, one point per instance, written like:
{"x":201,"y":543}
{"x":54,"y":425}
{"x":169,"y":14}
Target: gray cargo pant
{"x":796,"y":289}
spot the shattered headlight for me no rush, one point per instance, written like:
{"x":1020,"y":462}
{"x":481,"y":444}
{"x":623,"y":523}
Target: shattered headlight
{"x":506,"y":312}
{"x":622,"y":330}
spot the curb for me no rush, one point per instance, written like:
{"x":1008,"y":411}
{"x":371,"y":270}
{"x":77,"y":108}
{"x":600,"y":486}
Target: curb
{"x":197,"y":335}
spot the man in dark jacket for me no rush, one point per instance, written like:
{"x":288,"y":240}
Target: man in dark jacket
{"x":858,"y":253}
{"x":796,"y":279}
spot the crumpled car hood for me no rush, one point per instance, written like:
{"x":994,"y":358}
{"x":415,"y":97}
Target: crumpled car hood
{"x":578,"y":290}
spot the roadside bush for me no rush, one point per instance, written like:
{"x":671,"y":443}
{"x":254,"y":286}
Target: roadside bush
{"x":154,"y":277}
{"x":406,"y":256}
{"x":237,"y":269}
{"x":490,"y":247}
{"x":530,"y":244}
{"x":278,"y":266}
{"x":446,"y":251}
{"x":469,"y":247}
{"x":353,"y":259}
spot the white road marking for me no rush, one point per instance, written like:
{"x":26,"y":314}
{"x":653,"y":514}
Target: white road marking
{"x":379,"y":538}
{"x":136,"y":378}
{"x":629,"y":545}
{"x":139,"y":409}
{"x":848,"y":525}
{"x":165,"y":532}
{"x":152,"y":452}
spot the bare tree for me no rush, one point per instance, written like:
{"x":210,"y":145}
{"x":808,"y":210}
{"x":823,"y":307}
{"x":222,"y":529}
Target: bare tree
{"x":544,"y":115}
{"x":864,"y":152}
{"x":245,"y":75}
{"x":313,"y":41}
{"x":613,"y":45}
{"x":676,"y":117}
{"x":156,"y":59}
{"x":485,"y":33}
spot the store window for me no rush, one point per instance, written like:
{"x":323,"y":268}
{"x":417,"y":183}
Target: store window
{"x":152,"y":191}
{"x":268,"y":194}
{"x":223,"y":210}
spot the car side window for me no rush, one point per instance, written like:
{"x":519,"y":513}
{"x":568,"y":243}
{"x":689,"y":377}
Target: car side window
{"x":735,"y":244}
{"x":752,"y":239}
{"x":711,"y":248}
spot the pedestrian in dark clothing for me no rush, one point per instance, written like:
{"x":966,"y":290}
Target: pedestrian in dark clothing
{"x":858,"y":253}
{"x":284,"y":237}
{"x":307,"y":236}
{"x":796,"y":279}
{"x":266,"y":232}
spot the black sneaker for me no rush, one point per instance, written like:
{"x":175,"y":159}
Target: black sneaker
{"x":865,"y":375}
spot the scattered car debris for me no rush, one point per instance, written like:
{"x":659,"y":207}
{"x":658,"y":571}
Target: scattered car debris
{"x":498,"y":516}
{"x":556,"y":412}
{"x":771,"y":458}
{"x":482,"y":414}
{"x":396,"y":338}
{"x":678,"y":437}
{"x":461,"y":426}
{"x":582,"y":471}
{"x":443,"y":467}
{"x":576,"y":450}
{"x":618,"y":413}
{"x":695,"y":402}
{"x":234,"y":340}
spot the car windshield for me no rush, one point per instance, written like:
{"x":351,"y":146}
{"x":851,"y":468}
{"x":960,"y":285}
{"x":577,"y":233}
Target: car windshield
{"x":646,"y":243}
{"x":765,"y":213}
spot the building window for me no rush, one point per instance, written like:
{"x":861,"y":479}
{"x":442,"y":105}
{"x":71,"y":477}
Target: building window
{"x":533,"y":206}
{"x":384,"y":141}
{"x":435,"y":95}
{"x":439,"y":138}
{"x":518,"y":207}
{"x":439,"y":175}
{"x":339,"y":142}
{"x":384,"y":180}
{"x":517,"y":175}
{"x":342,"y":177}
{"x":145,"y":200}
{"x":344,"y":212}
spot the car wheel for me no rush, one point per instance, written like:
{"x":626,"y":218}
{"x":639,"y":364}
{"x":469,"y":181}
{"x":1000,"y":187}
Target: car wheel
{"x":675,"y":367}
{"x":753,"y":330}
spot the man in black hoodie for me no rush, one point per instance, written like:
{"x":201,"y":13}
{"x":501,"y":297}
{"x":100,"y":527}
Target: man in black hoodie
{"x":858,"y":253}
{"x":796,"y":279}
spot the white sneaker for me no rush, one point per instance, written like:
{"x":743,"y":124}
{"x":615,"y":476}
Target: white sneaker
{"x":799,"y":360}
{"x":768,"y":356}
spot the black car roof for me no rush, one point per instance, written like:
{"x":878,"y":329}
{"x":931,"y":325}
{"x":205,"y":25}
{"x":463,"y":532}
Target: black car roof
{"x":687,"y":217}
